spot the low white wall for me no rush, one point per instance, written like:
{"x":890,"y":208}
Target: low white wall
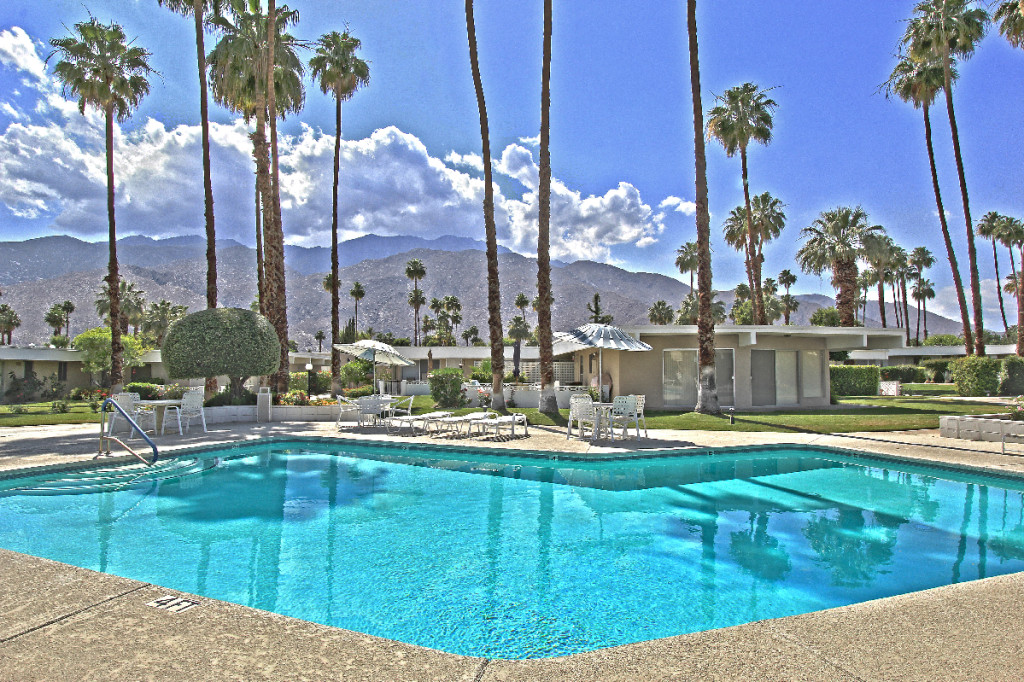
{"x":278,"y":413}
{"x":988,"y":427}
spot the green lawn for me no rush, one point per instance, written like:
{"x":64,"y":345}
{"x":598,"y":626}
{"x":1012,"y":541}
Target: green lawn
{"x":39,"y":414}
{"x":929,"y":389}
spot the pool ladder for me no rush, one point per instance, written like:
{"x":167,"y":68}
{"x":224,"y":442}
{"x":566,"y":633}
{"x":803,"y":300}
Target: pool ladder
{"x":106,"y":438}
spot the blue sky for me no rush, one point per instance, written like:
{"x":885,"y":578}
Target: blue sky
{"x":621,"y":129}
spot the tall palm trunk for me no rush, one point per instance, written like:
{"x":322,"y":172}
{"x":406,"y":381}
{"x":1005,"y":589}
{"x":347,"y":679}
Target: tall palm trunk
{"x":493,"y":292}
{"x":335,"y":298}
{"x":211,"y":233}
{"x":1020,"y":305}
{"x":906,"y":308}
{"x":548,"y":403}
{"x":924,"y":306}
{"x":972,"y":255}
{"x":260,"y":284}
{"x":753,"y":266}
{"x":999,"y":286}
{"x":950,"y":254}
{"x":275,"y":236}
{"x":896,"y":310}
{"x":881,"y":298}
{"x":917,"y":333}
{"x":707,"y":390}
{"x":844,"y":278}
{"x":113,"y":283}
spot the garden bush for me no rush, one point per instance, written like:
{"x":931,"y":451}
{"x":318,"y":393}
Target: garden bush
{"x":446,"y":387}
{"x":60,"y":407}
{"x":232,"y":341}
{"x":357,"y":392}
{"x":943,"y":340}
{"x":146,"y":391}
{"x":854,"y":379}
{"x":293,"y":398}
{"x":299,"y":381}
{"x":223,"y":398}
{"x":907,"y":374}
{"x":1012,"y":378}
{"x":936,"y":369}
{"x":356,"y":373}
{"x":976,"y":376}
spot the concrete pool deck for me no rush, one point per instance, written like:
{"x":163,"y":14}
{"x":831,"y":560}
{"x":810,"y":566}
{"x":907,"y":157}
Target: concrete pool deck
{"x":59,"y":622}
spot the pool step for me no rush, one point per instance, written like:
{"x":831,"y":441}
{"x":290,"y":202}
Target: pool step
{"x":108,"y":479}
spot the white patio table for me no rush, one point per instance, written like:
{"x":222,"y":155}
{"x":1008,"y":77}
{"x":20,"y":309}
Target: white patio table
{"x":160,"y":407}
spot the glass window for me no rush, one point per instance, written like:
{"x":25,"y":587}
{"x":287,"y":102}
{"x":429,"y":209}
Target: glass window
{"x":679,"y":378}
{"x":810,"y":374}
{"x":785,"y":378}
{"x":762,"y":377}
{"x":724,"y":376}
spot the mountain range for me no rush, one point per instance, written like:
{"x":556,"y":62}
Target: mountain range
{"x":46,"y":270}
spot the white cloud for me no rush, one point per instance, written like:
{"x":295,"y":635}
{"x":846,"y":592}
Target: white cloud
{"x":531,"y":141}
{"x":674,"y":203}
{"x":54,"y":167}
{"x":19,"y":52}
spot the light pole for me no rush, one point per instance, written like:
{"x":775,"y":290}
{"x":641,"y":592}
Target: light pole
{"x":309,"y":380}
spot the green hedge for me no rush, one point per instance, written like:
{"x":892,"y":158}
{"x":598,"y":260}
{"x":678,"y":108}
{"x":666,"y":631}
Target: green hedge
{"x":1012,"y":378}
{"x":976,"y":376}
{"x":854,"y":380}
{"x":907,"y":374}
{"x":446,"y":387}
{"x":936,"y":369}
{"x":145,"y":390}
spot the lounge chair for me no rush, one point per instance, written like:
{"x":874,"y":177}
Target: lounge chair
{"x":372,"y":409}
{"x":448,"y":424}
{"x":498,"y":423}
{"x":347,"y":408}
{"x":396,"y":424}
{"x":402,"y":407}
{"x":581,"y":411}
{"x":640,"y":400}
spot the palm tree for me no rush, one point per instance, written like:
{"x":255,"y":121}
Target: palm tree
{"x":54,"y":318}
{"x":103,"y":70}
{"x":901,"y":272}
{"x":660,"y":313}
{"x":768,"y":220}
{"x":989,"y":227}
{"x":199,"y":9}
{"x":67,"y":307}
{"x":471,"y":335}
{"x":243,"y":65}
{"x":877,"y":250}
{"x":707,"y":391}
{"x":357,"y":293}
{"x":417,"y":299}
{"x":788,"y":279}
{"x":686,"y":260}
{"x":944,"y":30}
{"x":518,"y":331}
{"x":790,"y":304}
{"x":1013,"y":235}
{"x":923,"y":292}
{"x":1010,"y":15}
{"x":834,"y":242}
{"x":918,"y":82}
{"x":454,"y":309}
{"x":743,"y":115}
{"x":490,"y":230}
{"x":548,"y":404}
{"x":920,"y":260}
{"x":522,"y":302}
{"x":133,"y":305}
{"x":319,"y":338}
{"x":416,"y":270}
{"x":159,"y":318}
{"x":340,"y":73}
{"x":9,"y":321}
{"x":736,"y":235}
{"x":742,"y":292}
{"x":689,"y":310}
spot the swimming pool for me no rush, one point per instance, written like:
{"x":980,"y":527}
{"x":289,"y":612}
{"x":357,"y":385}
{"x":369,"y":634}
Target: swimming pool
{"x":508,"y":556}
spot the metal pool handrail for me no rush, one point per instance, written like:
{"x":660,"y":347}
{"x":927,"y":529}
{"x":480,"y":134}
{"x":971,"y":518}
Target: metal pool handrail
{"x":104,"y":437}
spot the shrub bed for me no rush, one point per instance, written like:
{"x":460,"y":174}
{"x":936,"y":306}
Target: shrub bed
{"x":907,"y":374}
{"x":936,"y":369}
{"x":854,"y":380}
{"x":1012,"y":378}
{"x":446,"y":387}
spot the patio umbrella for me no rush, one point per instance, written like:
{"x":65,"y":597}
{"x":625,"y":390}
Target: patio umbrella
{"x":376,"y":352}
{"x":603,"y":336}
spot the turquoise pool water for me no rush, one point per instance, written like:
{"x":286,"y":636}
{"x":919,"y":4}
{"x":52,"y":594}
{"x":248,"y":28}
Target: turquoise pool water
{"x":517,"y":558}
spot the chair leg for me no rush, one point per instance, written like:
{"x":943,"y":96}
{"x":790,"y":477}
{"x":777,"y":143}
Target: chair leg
{"x":202,"y":416}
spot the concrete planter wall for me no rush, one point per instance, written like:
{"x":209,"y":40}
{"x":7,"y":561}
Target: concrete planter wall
{"x":278,"y":413}
{"x":230,"y":413}
{"x":988,"y":427}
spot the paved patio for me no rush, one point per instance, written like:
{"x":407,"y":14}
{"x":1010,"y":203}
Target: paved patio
{"x":59,"y":622}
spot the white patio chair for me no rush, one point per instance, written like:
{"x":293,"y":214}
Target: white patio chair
{"x":347,"y":407}
{"x":623,"y":414}
{"x":191,"y":407}
{"x":640,"y":400}
{"x":401,"y":407}
{"x":581,"y":411}
{"x":371,"y":408}
{"x":127,"y":402}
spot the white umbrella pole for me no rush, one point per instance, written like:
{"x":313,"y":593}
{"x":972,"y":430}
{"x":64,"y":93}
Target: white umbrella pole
{"x":600,"y":375}
{"x":375,"y":372}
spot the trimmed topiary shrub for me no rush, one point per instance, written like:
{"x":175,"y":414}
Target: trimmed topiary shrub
{"x":936,"y":369}
{"x":232,"y":341}
{"x":223,"y":398}
{"x":976,"y":376}
{"x":446,"y":387}
{"x":907,"y":374}
{"x":854,"y":380}
{"x":1012,"y":377}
